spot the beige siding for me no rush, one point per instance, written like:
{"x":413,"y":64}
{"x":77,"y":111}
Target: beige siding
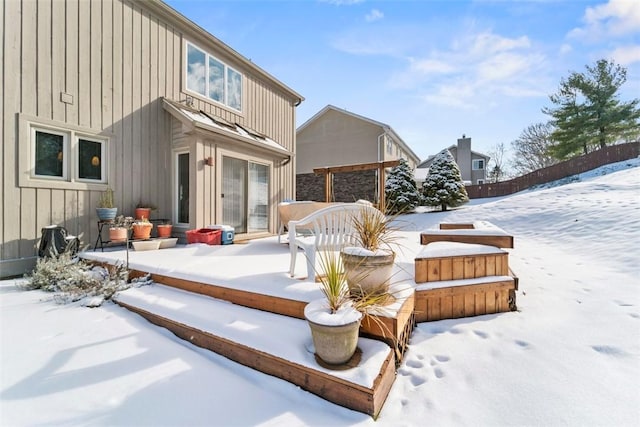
{"x":116,"y":59}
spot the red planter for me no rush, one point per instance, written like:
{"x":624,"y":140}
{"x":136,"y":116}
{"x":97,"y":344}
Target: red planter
{"x":142,"y":231}
{"x":204,"y":235}
{"x":117,"y":234}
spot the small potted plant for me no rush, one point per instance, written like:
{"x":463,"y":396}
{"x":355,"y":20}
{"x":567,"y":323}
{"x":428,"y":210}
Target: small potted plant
{"x":335,"y":319}
{"x":369,"y":264}
{"x":119,"y":231}
{"x":105,"y":209}
{"x":142,"y":229}
{"x":143,"y":210}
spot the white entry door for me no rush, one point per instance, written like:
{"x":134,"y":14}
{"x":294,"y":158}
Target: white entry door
{"x":245,"y":195}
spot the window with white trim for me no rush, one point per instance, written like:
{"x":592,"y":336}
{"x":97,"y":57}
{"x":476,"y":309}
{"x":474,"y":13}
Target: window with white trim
{"x":207,"y":76}
{"x":477,"y":164}
{"x":480,"y":182}
{"x":67,"y":156}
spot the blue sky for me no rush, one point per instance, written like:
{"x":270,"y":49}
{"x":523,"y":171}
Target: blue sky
{"x":431,"y":69}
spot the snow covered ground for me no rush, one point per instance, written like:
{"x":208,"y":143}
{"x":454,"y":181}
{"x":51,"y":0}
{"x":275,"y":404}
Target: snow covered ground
{"x":569,"y":356}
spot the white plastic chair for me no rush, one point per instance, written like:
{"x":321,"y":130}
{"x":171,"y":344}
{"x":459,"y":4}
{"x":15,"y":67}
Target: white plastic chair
{"x":328,"y":229}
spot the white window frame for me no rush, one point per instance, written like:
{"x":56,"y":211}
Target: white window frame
{"x":226,"y":101}
{"x":480,"y":182}
{"x":474,"y":164}
{"x":27,"y":178}
{"x":65,"y":153}
{"x":176,"y":189}
{"x":103,"y":157}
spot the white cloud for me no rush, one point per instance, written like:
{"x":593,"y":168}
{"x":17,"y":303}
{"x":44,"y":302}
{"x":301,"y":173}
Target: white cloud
{"x":626,"y":55}
{"x":612,"y":19}
{"x":374,"y":15}
{"x":565,"y":48}
{"x":431,"y":66}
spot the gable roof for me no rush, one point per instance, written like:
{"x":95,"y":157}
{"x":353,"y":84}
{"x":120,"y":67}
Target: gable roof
{"x":425,"y":163}
{"x":185,"y":24}
{"x":381,"y":125}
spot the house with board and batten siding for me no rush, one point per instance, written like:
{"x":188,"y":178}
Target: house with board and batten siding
{"x":136,"y":97}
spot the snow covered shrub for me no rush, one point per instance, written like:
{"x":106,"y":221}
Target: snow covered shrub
{"x":444,"y":186}
{"x":400,"y":190}
{"x":72,"y":279}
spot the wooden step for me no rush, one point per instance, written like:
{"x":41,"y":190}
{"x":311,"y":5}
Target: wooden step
{"x":394,"y":324}
{"x":452,"y":261}
{"x":272,"y":344}
{"x":478,"y":232}
{"x":451,"y":299}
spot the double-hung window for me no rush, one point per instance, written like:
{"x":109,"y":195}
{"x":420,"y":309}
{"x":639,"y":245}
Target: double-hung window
{"x":478,"y":164}
{"x":207,"y":76}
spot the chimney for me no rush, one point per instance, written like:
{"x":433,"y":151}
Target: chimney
{"x":463,"y":157}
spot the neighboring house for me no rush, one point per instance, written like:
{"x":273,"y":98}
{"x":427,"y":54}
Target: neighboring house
{"x":472,"y":164}
{"x":134,"y":96}
{"x":336,"y":137}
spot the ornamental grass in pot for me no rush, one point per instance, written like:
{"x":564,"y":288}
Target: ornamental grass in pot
{"x":105,"y":209}
{"x":369,"y":264}
{"x":335,"y":319}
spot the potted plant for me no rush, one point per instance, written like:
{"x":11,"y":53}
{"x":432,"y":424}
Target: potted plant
{"x":143,"y":210}
{"x":105,"y":209}
{"x":164,"y":230}
{"x":369,"y":264}
{"x":119,"y":231}
{"x":335,"y":319}
{"x":142,"y":229}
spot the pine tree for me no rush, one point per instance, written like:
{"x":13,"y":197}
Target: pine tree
{"x":444,"y":186}
{"x":400,"y":189}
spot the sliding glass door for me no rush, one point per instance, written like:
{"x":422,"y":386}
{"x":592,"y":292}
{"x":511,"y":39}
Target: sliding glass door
{"x":245,"y":195}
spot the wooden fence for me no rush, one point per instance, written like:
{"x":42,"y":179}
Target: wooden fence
{"x":595,"y":159}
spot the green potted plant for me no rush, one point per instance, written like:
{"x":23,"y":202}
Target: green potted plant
{"x":105,"y":209}
{"x":142,"y":229}
{"x":144,"y":209}
{"x":335,"y":320}
{"x":369,"y":264}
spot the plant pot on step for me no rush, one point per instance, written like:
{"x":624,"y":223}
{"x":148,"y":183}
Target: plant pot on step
{"x":368,"y":272}
{"x":142,"y":230}
{"x":335,"y":335}
{"x":164,"y":230}
{"x":118,"y":234}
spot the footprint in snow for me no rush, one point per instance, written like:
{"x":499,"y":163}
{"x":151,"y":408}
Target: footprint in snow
{"x":623,"y":304}
{"x":417,"y":380}
{"x":481,"y":334}
{"x":522,"y":344}
{"x":442,"y":358}
{"x":609,"y":350}
{"x":635,"y":315}
{"x":415,"y":364}
{"x":439,"y":373}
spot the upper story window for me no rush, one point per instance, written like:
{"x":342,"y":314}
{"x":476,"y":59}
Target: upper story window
{"x":67,"y":156}
{"x":478,"y":164}
{"x":389,"y":146}
{"x":208,"y":76}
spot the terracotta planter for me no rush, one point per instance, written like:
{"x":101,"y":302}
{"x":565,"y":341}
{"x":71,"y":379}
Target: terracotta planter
{"x":369,"y":274}
{"x":334,"y":343}
{"x":117,"y":234}
{"x":143,"y":213}
{"x":164,"y":230}
{"x":142,"y":231}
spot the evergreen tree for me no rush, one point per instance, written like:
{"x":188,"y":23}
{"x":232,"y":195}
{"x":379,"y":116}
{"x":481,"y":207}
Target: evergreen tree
{"x":444,"y":186}
{"x":400,"y":189}
{"x":588,"y":114}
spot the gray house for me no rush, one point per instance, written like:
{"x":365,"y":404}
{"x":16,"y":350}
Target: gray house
{"x":134,"y":96}
{"x":337,"y":137}
{"x":473,"y":165}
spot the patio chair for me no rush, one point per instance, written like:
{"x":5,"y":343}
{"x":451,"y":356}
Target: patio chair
{"x":328,"y":229}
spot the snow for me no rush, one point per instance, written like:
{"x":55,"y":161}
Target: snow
{"x":569,"y":356}
{"x":318,"y":311}
{"x":451,"y":249}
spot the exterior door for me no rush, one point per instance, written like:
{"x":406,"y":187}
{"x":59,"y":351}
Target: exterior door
{"x":181,"y":207}
{"x":245,"y":195}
